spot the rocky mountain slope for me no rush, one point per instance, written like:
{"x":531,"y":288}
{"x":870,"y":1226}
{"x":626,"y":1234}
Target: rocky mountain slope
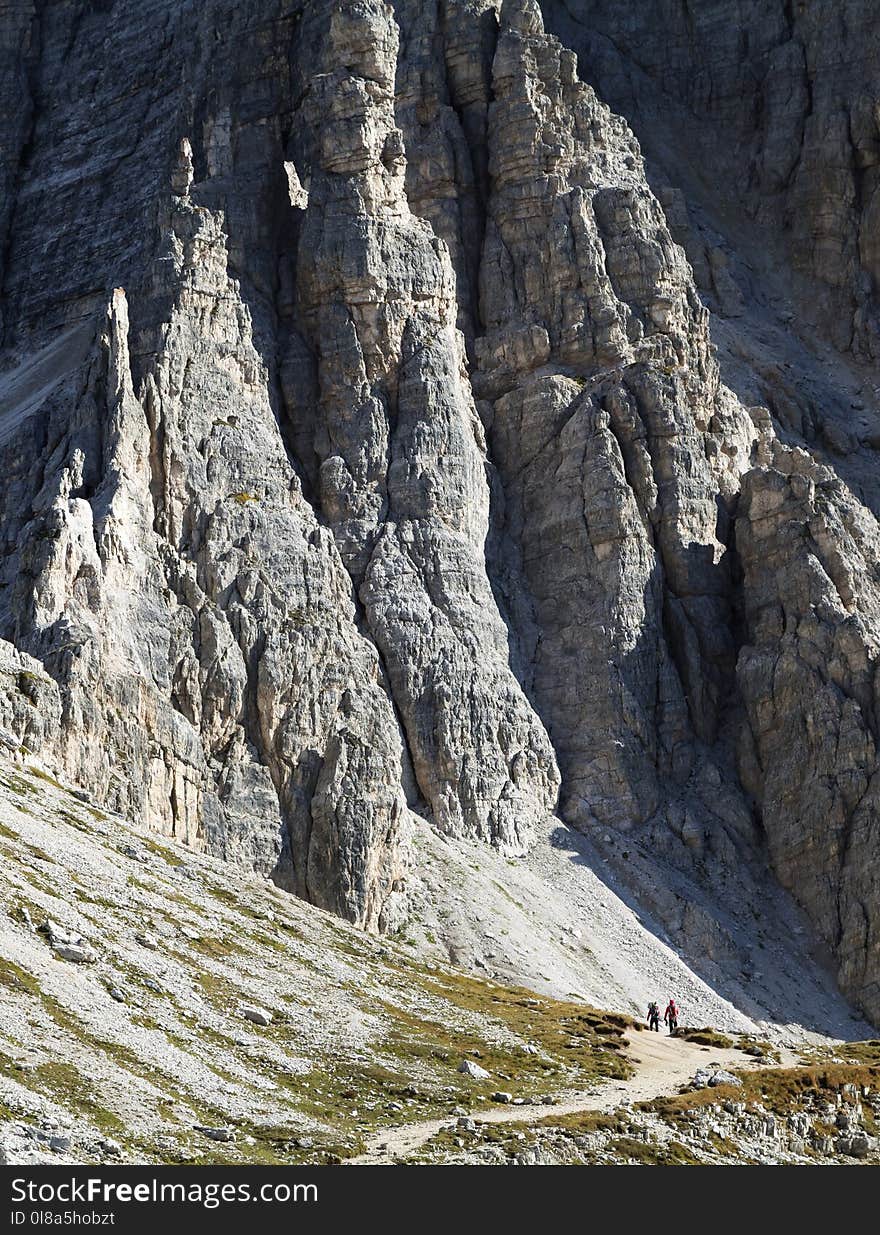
{"x":164,"y":1006}
{"x":399,"y":467}
{"x":161,"y":1006}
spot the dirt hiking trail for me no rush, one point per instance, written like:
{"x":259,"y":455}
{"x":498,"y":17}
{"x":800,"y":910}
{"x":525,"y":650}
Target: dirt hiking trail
{"x":662,"y":1065}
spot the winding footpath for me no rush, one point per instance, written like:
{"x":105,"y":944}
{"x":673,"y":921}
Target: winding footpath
{"x":662,"y":1066}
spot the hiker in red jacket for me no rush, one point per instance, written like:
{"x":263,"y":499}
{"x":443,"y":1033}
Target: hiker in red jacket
{"x":670,"y":1016}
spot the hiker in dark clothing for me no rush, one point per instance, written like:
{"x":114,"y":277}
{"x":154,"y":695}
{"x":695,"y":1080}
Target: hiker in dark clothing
{"x":670,"y":1016}
{"x":654,"y":1016}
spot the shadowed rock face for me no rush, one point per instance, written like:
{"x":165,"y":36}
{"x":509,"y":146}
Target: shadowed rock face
{"x":367,"y":453}
{"x":809,"y":680}
{"x":777,"y":102}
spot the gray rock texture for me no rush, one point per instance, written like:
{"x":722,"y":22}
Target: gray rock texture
{"x":808,"y":676}
{"x":777,"y":100}
{"x":385,"y":441}
{"x":399,"y":445}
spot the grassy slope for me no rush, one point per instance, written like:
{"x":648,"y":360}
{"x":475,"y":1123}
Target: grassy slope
{"x":364,"y":1034}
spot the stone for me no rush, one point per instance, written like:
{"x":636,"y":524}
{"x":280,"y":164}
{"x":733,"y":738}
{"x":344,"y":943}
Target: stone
{"x":723,"y":1077}
{"x":858,"y":1145}
{"x":259,"y":1016}
{"x":501,"y":1096}
{"x":469,"y":1068}
{"x":711,"y":1077}
{"x":535,"y":1155}
{"x":224,"y":1135}
{"x":68,"y":945}
{"x":76,"y":953}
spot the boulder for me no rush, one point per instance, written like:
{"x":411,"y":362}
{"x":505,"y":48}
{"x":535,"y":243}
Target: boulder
{"x":469,"y":1068}
{"x":258,"y":1016}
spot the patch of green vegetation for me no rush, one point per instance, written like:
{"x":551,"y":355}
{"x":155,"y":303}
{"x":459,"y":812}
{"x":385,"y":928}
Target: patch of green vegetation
{"x":444,"y":1142}
{"x":867,"y":1052}
{"x":68,"y":1086}
{"x":268,"y":941}
{"x":39,"y":853}
{"x":98,"y":815}
{"x":33,"y":770}
{"x":216,"y":948}
{"x":8,"y":833}
{"x":706,"y":1037}
{"x":621,"y":1143}
{"x":85,"y":894}
{"x":180,"y":899}
{"x":14,"y":978}
{"x":759,"y":1048}
{"x":780,"y":1090}
{"x":577,"y":1038}
{"x":17,"y":784}
{"x":276,"y":1146}
{"x":651,"y":1153}
{"x":583,"y":1122}
{"x":37,"y":881}
{"x":352,"y":1099}
{"x":75,"y":822}
{"x":727,"y":1149}
{"x":144,"y":1021}
{"x":217,"y":892}
{"x":160,"y":851}
{"x":217,"y":989}
{"x":501,"y":888}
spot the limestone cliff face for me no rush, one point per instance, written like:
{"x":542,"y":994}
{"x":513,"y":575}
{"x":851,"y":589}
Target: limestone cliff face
{"x":606,"y":421}
{"x":778,"y":101}
{"x":809,"y":679}
{"x":367,"y":455}
{"x":399,"y":448}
